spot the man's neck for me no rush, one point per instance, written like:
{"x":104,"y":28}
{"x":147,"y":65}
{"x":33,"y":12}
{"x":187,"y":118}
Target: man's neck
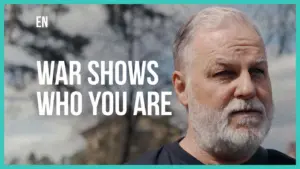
{"x":189,"y":144}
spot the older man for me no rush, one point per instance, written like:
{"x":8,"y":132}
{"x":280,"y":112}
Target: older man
{"x":221,"y":77}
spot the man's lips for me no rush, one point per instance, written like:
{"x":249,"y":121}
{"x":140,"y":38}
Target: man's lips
{"x":254,"y":114}
{"x":246,"y":112}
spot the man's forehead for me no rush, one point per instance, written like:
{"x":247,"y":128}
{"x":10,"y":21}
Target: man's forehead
{"x":218,"y":43}
{"x":259,"y":59}
{"x":228,"y":36}
{"x":237,"y":60}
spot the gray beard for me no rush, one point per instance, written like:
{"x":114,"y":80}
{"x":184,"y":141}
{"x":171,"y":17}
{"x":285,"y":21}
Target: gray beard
{"x":214,"y":135}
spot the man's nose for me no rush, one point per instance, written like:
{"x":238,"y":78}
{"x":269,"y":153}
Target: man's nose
{"x":245,"y":88}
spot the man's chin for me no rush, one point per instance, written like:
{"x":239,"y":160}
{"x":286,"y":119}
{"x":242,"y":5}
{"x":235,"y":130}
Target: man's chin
{"x":245,"y":132}
{"x":250,"y":125}
{"x":247,"y":128}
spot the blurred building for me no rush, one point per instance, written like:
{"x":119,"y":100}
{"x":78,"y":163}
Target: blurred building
{"x":104,"y":140}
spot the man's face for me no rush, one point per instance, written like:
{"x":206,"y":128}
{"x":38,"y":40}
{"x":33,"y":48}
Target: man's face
{"x":229,"y":89}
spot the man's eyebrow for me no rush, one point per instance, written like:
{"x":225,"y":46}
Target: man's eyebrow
{"x":224,"y":61}
{"x":228,"y":61}
{"x":220,"y":61}
{"x":261,"y":60}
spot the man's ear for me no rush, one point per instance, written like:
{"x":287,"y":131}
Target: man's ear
{"x":180,"y":87}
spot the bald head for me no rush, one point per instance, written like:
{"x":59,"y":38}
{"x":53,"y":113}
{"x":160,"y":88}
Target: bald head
{"x":207,"y":20}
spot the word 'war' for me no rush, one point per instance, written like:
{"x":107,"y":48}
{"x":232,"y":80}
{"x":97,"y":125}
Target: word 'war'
{"x":106,"y":103}
{"x":100,"y":72}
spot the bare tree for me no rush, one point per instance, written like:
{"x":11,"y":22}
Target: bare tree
{"x":278,"y":25}
{"x":38,"y":47}
{"x":132,"y":23}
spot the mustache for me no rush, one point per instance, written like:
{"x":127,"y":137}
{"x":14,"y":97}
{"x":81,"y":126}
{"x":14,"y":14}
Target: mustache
{"x":239,"y":105}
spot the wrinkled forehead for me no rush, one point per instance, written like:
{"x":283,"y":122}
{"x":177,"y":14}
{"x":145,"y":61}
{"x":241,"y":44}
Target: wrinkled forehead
{"x":234,"y":43}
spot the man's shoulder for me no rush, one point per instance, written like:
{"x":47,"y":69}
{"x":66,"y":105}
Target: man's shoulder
{"x":146,"y":158}
{"x":161,"y":156}
{"x":276,"y":157}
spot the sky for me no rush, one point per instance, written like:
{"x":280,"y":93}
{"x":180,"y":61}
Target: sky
{"x":25,"y":131}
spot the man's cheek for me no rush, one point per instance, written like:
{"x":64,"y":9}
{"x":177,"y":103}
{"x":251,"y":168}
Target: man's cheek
{"x":223,"y":96}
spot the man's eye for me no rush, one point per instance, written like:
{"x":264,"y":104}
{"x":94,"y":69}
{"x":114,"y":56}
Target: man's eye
{"x":257,"y":71}
{"x":225,"y":73}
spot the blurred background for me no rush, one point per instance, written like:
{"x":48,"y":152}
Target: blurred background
{"x":120,"y":32}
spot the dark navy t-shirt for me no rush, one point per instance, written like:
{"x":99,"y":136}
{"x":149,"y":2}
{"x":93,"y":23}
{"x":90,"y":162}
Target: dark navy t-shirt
{"x":173,"y":154}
